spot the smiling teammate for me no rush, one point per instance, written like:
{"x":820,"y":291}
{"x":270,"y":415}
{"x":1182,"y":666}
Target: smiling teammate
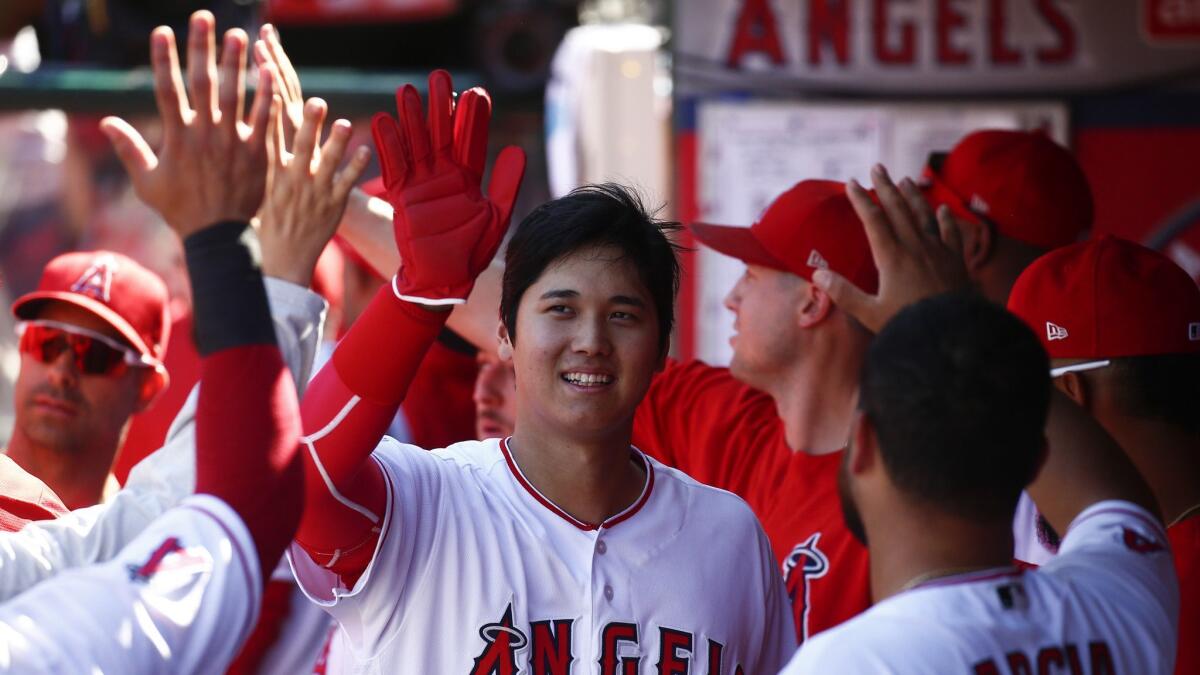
{"x":563,"y":543}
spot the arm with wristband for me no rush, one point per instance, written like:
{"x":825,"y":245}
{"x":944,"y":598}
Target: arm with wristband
{"x":447,"y":231}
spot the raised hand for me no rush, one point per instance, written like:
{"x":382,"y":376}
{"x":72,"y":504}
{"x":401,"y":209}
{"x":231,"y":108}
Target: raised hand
{"x":212,"y":165}
{"x":268,"y":51}
{"x":447,"y":230}
{"x":917,"y":253}
{"x":306,"y":195}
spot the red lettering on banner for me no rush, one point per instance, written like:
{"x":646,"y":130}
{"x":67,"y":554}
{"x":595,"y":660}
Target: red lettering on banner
{"x":1064,"y":51}
{"x":755,"y":33}
{"x":906,"y":53}
{"x":1002,"y":54}
{"x":828,"y":22}
{"x":948,"y":19}
{"x":1171,"y":18}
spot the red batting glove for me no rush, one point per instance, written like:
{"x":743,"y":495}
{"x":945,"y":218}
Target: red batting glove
{"x":446,"y":230}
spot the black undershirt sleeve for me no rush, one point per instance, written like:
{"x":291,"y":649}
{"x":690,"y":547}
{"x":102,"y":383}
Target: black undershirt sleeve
{"x":228,"y":298}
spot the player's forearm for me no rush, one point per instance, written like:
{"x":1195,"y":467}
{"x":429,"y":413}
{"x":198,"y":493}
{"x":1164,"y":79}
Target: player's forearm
{"x":247,"y":418}
{"x":367,"y":226}
{"x":1084,"y":465}
{"x":346,"y":411}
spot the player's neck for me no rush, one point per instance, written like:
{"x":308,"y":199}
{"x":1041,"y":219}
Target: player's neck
{"x":77,"y":479}
{"x":1168,"y":457}
{"x":911,"y":546}
{"x":816,"y":404}
{"x":591,"y":479}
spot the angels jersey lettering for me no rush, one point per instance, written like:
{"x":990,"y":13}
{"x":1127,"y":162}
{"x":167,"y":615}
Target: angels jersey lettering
{"x":699,"y":419}
{"x":1107,"y":604}
{"x":477,"y":572}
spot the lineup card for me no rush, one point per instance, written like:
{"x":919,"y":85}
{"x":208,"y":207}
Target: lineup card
{"x":751,"y":151}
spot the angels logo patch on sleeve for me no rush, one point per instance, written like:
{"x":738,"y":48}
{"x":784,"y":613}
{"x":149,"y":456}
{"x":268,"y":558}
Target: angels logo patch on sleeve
{"x":805,"y":563}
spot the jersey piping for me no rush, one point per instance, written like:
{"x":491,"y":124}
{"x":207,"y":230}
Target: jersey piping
{"x":553,"y":508}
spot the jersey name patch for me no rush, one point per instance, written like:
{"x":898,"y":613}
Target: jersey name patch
{"x":1055,"y":659}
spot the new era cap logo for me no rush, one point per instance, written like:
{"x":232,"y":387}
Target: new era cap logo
{"x":1055,"y":332}
{"x":1194,"y":332}
{"x":816,"y":260}
{"x":96,"y":280}
{"x":978,"y":205}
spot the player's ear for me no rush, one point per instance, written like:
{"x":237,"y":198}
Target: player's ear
{"x":153,"y":384}
{"x":815,"y":305}
{"x":1076,"y":388}
{"x":863,"y":450}
{"x":978,"y":242}
{"x":505,"y":349}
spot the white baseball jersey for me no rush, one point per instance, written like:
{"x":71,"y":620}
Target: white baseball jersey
{"x":1109,"y":603}
{"x":42,"y":549}
{"x":180,"y":598}
{"x":477,"y":572}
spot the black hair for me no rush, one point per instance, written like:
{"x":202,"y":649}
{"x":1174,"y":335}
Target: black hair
{"x":594,"y":215}
{"x":958,"y":391}
{"x":1163,"y":387}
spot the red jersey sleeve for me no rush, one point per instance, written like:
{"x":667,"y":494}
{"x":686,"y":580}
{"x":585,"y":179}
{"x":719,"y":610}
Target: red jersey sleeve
{"x":701,"y":420}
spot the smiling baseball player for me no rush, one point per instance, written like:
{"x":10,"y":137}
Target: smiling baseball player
{"x":562,"y":544}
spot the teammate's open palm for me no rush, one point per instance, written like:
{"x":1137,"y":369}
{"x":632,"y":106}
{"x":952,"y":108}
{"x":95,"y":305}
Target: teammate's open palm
{"x":447,"y":230}
{"x":212,"y":165}
{"x":917,"y":253}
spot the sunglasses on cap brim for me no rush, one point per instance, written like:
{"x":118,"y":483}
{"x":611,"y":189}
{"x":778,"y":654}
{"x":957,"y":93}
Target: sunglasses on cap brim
{"x":92,"y":352}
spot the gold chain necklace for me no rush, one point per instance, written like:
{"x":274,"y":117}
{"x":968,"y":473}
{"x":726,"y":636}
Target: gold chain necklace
{"x":938,"y":574}
{"x":1187,"y":513}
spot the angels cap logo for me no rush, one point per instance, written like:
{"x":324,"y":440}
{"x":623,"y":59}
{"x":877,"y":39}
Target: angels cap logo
{"x":1194,"y":331}
{"x":96,"y":280}
{"x":816,"y":260}
{"x":1055,"y":332}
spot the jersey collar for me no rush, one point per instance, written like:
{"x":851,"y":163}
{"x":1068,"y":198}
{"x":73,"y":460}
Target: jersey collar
{"x":587,"y":527}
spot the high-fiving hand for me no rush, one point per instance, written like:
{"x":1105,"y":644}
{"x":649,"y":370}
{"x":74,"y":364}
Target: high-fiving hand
{"x":917,"y":253}
{"x":447,"y":230}
{"x":212,"y":165}
{"x":306,"y":195}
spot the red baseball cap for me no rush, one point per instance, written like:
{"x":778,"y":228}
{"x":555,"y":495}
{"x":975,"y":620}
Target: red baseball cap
{"x":1024,"y":182}
{"x":1108,"y":298}
{"x":127,"y":296}
{"x":811,"y":226}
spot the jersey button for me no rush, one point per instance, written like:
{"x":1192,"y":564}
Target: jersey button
{"x":601,"y":547}
{"x":608,"y":592}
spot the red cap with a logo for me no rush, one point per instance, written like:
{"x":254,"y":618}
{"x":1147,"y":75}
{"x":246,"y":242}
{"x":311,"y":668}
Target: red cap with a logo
{"x":1029,"y":186}
{"x":129,"y":297}
{"x":1108,"y":298}
{"x":812,"y":226}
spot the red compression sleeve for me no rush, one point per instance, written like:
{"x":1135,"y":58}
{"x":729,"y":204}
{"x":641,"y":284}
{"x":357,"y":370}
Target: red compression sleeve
{"x":247,"y":421}
{"x":346,"y":410}
{"x":246,"y":452}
